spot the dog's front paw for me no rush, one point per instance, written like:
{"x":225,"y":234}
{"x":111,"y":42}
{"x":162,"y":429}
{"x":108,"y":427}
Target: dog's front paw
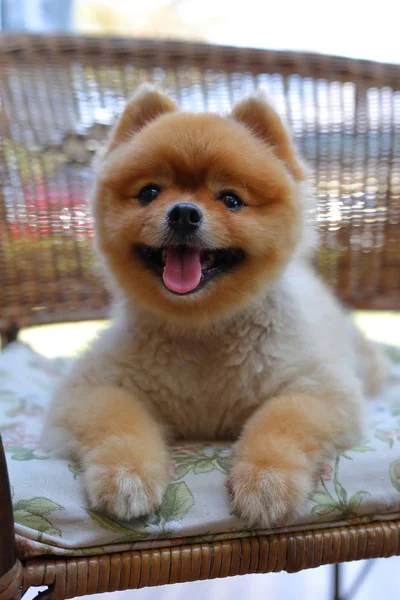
{"x":125,"y":485}
{"x":265,"y":496}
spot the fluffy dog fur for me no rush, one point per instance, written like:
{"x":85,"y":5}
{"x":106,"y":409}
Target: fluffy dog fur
{"x":261,"y":354}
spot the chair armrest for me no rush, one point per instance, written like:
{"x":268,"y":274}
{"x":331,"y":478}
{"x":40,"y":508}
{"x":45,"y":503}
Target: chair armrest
{"x":7,"y":547}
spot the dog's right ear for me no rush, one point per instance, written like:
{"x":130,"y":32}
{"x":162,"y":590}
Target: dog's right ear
{"x":262,"y":120}
{"x":145,"y":105}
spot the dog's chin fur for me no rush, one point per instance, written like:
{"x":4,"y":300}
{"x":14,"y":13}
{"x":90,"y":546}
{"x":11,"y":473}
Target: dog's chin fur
{"x":261,"y":353}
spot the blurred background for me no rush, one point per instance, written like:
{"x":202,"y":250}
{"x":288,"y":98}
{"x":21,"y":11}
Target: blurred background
{"x":352,"y":28}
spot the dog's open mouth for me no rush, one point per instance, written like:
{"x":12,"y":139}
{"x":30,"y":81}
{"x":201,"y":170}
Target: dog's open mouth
{"x":185,"y":270}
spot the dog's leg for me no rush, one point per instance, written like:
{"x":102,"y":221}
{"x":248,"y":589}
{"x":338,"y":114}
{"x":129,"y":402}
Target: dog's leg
{"x":278,"y":452}
{"x":120,"y":446}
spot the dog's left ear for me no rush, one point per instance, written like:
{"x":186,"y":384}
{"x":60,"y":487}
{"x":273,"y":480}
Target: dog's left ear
{"x":262,"y":120}
{"x":145,"y":105}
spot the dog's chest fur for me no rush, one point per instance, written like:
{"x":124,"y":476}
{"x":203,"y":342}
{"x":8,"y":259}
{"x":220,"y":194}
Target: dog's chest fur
{"x":206,"y":387}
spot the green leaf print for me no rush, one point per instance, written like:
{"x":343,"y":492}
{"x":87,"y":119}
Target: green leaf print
{"x":204,"y":466}
{"x":30,"y":513}
{"x":356,"y":499}
{"x":395,"y":407}
{"x":345,"y":455}
{"x":36,"y":522}
{"x":341,"y":492}
{"x":19,"y":453}
{"x":183,"y":469}
{"x":38,"y":506}
{"x":393,"y":352}
{"x":321,"y":497}
{"x":24,"y":405}
{"x":326,"y":503}
{"x":388,"y":436}
{"x":75,"y":469}
{"x":177,"y":502}
{"x":325,"y":509}
{"x":7,"y":396}
{"x":200,"y":460}
{"x":339,"y":489}
{"x":223,"y":463}
{"x":8,"y":427}
{"x":110,"y":525}
{"x":394,"y":472}
{"x":362,"y":449}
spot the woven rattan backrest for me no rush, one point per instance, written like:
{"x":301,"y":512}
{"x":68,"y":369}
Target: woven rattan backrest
{"x":59,"y":95}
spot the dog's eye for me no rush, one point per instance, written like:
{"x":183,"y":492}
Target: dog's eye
{"x":231,"y":200}
{"x":148,"y":193}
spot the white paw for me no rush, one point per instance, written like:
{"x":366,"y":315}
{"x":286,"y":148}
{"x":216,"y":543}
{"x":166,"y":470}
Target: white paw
{"x":123,"y":493}
{"x":268,"y":496}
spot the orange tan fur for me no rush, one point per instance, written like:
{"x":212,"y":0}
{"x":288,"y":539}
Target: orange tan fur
{"x":261,"y":354}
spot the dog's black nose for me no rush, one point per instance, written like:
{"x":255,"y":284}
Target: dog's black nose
{"x":185,"y":218}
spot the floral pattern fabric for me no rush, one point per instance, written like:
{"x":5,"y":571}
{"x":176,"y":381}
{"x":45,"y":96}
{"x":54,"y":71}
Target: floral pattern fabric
{"x":51,"y":511}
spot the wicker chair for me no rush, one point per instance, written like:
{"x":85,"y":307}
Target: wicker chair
{"x":58,"y":97}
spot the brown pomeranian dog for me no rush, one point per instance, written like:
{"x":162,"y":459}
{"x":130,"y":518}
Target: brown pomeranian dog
{"x":221,"y":330}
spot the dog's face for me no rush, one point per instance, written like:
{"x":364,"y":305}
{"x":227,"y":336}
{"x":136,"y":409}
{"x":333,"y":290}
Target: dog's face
{"x":195,"y":213}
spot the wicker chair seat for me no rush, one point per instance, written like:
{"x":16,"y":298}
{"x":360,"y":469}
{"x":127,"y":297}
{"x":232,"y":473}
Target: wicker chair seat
{"x":51,"y":512}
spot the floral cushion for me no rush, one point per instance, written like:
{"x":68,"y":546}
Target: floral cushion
{"x":52,"y":515}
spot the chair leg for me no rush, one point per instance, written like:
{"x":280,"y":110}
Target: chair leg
{"x":9,"y":335}
{"x":8,"y":563}
{"x":44,"y":595}
{"x":357,"y":583}
{"x":359,"y":580}
{"x":336,"y":581}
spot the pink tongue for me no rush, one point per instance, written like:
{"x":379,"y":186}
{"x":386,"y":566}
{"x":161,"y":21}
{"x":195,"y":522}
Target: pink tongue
{"x":182,"y":271}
